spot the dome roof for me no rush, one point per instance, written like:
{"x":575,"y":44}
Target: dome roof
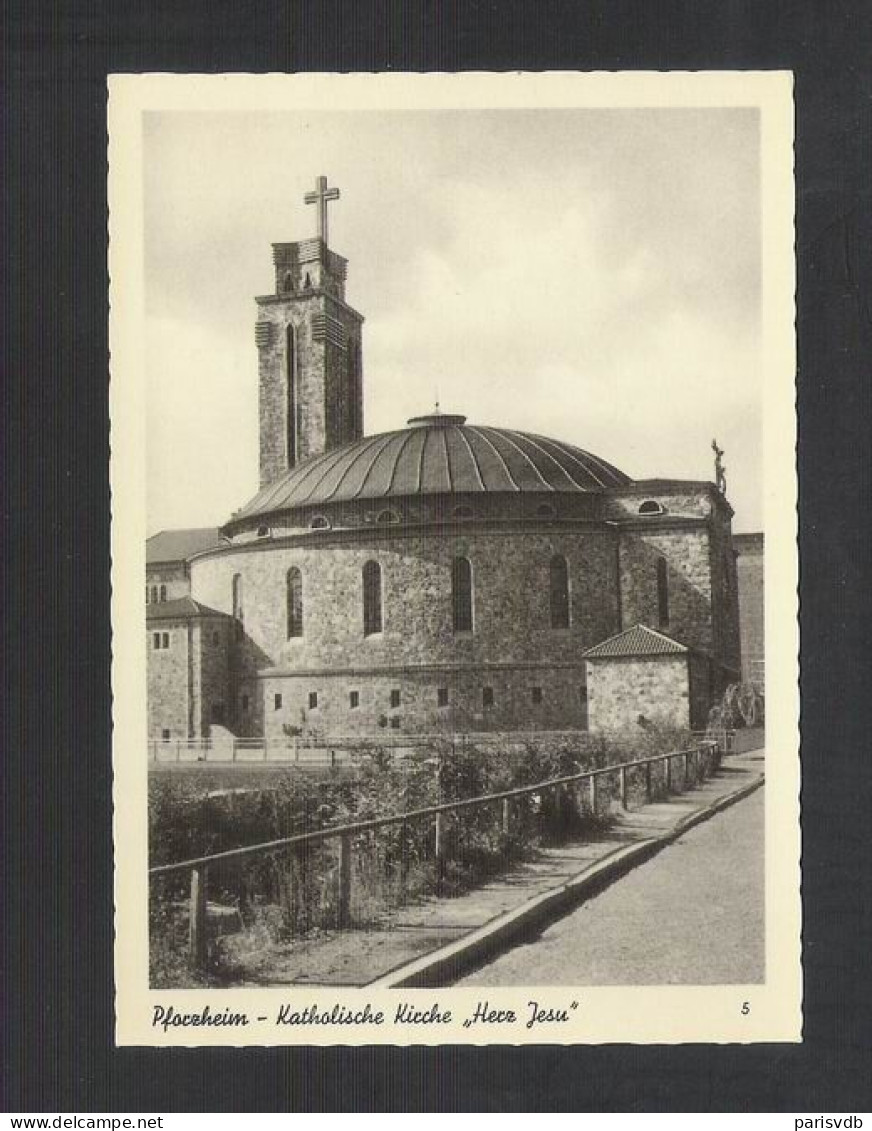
{"x":435,"y":454}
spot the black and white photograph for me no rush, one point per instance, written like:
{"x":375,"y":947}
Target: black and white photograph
{"x":452,"y":450}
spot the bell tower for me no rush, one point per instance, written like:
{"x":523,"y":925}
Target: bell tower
{"x":309,"y":352}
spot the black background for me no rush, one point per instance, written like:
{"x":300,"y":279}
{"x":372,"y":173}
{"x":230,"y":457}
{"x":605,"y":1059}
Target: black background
{"x":57,"y":912}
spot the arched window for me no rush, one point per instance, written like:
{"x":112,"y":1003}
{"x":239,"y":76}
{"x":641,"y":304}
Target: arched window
{"x":236,"y":593}
{"x":662,"y":593}
{"x":319,"y":522}
{"x":163,"y":593}
{"x":461,"y":594}
{"x":559,"y":592}
{"x":372,"y":599}
{"x":154,"y":594}
{"x":295,"y":602}
{"x":385,"y":518}
{"x":288,"y":282}
{"x":651,"y":506}
{"x":291,"y":394}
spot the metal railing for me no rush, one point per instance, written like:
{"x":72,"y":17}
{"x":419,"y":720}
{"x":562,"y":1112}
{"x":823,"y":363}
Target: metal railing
{"x":695,"y":765}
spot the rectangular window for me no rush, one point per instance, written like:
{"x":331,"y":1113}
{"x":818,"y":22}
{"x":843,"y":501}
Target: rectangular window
{"x":395,"y":698}
{"x":536,"y":694}
{"x":442,"y":696}
{"x":487,"y":697}
{"x":277,"y":701}
{"x":395,"y":723}
{"x":313,"y":700}
{"x":166,"y":640}
{"x":353,"y":699}
{"x":156,"y":640}
{"x":165,"y":734}
{"x":245,"y":702}
{"x":662,"y":593}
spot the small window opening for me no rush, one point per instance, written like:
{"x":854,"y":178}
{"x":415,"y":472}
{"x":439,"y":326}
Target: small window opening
{"x":536,"y":694}
{"x":353,"y":699}
{"x":487,"y":697}
{"x":395,"y":698}
{"x":386,"y":518}
{"x":461,"y":594}
{"x":662,"y":593}
{"x":262,"y":531}
{"x":372,"y":599}
{"x":313,"y":700}
{"x":245,"y":702}
{"x":651,"y":506}
{"x":319,"y":522}
{"x":165,"y":734}
{"x":154,"y":594}
{"x":288,"y":282}
{"x":442,"y":696}
{"x":156,"y":641}
{"x":163,"y":593}
{"x":395,"y":722}
{"x":277,"y":701}
{"x":165,"y":642}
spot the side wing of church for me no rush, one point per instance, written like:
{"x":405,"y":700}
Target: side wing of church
{"x":446,"y":576}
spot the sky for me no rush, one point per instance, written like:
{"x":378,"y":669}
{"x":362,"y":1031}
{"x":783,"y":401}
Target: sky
{"x":587,"y":274}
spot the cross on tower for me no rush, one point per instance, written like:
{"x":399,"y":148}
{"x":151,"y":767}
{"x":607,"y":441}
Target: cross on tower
{"x":320,"y":197}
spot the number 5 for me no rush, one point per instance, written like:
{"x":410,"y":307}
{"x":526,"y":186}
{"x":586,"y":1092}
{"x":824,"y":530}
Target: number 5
{"x":746,"y":1008}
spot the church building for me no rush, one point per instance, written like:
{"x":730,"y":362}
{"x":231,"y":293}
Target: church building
{"x":450,"y":575}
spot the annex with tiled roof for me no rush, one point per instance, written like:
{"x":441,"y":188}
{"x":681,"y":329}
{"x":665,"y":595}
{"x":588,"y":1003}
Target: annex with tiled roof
{"x":183,"y":608}
{"x":636,"y":641}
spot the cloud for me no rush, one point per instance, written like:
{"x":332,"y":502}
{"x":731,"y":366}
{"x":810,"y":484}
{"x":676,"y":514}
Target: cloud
{"x":589,"y":274}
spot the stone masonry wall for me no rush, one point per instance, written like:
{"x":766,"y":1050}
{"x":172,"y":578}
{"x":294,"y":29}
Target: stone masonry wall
{"x":688,"y":563}
{"x":621,"y":690}
{"x":510,"y":587}
{"x":173,"y":575}
{"x":168,"y":691}
{"x":517,"y":704}
{"x":511,"y":604}
{"x":703,"y":690}
{"x":322,"y":370}
{"x":752,"y":612}
{"x":211,"y":684}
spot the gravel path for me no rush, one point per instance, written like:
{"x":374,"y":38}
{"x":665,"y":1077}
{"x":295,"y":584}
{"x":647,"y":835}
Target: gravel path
{"x":692,"y":915}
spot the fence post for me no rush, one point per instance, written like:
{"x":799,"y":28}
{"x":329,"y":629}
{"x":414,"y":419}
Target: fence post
{"x":437,"y":846}
{"x":686,"y":768}
{"x":178,"y":751}
{"x":197,"y":921}
{"x":344,"y":910}
{"x":593,"y":794}
{"x":233,"y":750}
{"x":647,"y":781}
{"x":669,"y":773}
{"x":506,"y":817}
{"x":623,"y":773}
